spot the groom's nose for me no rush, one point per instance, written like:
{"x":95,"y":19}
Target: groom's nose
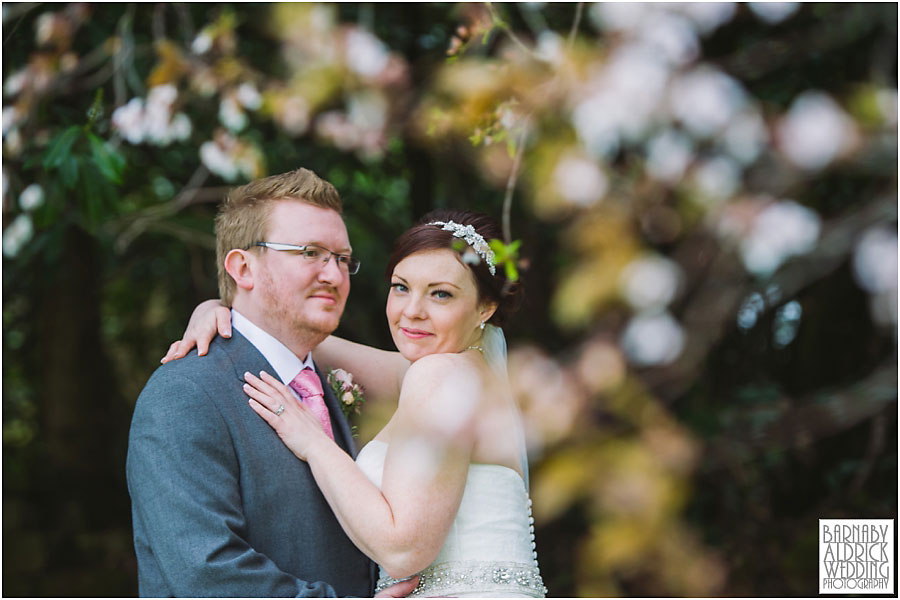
{"x":331,"y":272}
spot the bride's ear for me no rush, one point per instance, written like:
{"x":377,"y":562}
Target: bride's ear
{"x":239,"y":264}
{"x":486,"y":311}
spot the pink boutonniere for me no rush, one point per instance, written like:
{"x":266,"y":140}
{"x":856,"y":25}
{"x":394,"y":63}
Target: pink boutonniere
{"x":349,"y":394}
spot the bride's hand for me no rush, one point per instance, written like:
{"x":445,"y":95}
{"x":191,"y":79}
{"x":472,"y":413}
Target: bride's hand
{"x":295,"y":424}
{"x":207,"y":319}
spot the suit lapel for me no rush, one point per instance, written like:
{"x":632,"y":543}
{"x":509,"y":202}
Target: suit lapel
{"x":337,"y":415}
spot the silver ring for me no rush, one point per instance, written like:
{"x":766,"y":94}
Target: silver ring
{"x":279,"y":410}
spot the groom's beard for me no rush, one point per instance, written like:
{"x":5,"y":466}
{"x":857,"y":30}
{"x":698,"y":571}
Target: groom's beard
{"x":296,"y":315}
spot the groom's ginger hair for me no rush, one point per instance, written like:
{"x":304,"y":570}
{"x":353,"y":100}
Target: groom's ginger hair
{"x":243,"y":217}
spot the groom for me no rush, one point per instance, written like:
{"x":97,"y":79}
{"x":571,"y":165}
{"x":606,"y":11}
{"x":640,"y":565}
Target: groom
{"x":220,"y":506}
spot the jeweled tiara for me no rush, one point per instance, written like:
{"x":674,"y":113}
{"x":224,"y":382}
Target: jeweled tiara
{"x":472,"y":238}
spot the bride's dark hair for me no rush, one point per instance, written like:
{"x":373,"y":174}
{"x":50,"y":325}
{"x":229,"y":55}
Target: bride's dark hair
{"x":422,"y":236}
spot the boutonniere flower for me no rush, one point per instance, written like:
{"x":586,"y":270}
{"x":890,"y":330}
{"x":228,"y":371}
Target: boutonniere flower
{"x":349,"y":394}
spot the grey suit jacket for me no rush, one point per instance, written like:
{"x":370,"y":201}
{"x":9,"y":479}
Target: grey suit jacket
{"x":220,"y":506}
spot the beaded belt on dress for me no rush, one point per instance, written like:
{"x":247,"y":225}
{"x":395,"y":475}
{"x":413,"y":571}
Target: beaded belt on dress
{"x":475,"y":576}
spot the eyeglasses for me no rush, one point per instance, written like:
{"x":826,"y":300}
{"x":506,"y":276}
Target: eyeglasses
{"x":312,"y":253}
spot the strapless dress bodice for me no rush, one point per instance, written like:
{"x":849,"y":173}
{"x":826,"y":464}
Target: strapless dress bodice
{"x":490,"y":549}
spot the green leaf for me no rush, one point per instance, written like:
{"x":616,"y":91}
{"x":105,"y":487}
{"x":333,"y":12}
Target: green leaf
{"x":61,"y":147}
{"x":506,"y":255}
{"x":109,"y":162}
{"x":512,"y":274}
{"x":68,"y":172}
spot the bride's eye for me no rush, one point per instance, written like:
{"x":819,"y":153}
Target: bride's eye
{"x":398,"y":287}
{"x":442,"y":294}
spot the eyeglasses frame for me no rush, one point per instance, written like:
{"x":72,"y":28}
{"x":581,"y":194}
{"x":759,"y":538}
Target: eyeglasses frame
{"x":352,"y":266}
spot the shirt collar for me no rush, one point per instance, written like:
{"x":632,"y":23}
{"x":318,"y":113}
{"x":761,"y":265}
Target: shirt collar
{"x":285,"y":362}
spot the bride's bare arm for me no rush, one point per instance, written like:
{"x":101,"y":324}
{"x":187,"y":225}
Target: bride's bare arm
{"x":208,"y":319}
{"x":379,"y":372}
{"x":402,"y":526}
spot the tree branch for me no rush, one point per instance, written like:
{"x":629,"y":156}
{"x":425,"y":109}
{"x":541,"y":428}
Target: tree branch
{"x":574,"y":30}
{"x":511,"y":181}
{"x":499,"y":22}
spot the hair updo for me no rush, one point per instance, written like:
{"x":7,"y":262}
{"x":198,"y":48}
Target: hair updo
{"x":420,"y":237}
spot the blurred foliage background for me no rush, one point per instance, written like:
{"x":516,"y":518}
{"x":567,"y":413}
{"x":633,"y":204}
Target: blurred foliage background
{"x":706,"y":196}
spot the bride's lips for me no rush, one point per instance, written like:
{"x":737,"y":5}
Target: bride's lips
{"x":414,"y":333}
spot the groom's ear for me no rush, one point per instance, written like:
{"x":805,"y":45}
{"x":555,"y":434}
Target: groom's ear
{"x":239,"y":264}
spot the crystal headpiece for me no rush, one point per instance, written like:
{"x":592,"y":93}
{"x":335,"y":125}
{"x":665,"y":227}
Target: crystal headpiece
{"x":473,"y":238}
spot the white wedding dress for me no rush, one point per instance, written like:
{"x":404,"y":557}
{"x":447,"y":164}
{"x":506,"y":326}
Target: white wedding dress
{"x":489,"y":550}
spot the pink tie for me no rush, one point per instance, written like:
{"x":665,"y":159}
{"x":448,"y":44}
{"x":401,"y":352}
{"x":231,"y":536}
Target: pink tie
{"x":309,"y":387}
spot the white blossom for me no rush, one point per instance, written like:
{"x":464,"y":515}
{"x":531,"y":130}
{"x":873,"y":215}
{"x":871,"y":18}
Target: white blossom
{"x":15,"y":82}
{"x":44,"y":28}
{"x":366,"y":54}
{"x":202,"y":43}
{"x":550,"y":47}
{"x":32,"y":197}
{"x":10,"y":118}
{"x":781,"y":230}
{"x":717,"y":178}
{"x":705,"y":100}
{"x":668,"y":155}
{"x":652,"y":339}
{"x":671,"y":36}
{"x":231,"y":115}
{"x":650,"y":282}
{"x":180,"y":127}
{"x":745,"y":136}
{"x":162,"y":95}
{"x":886,"y":99}
{"x":294,"y":115}
{"x":249,"y":96}
{"x":875,"y":260}
{"x":12,"y":142}
{"x":129,"y":120}
{"x":619,"y":16}
{"x":367,"y":111}
{"x":815,"y":131}
{"x":773,"y":12}
{"x":217,"y":161}
{"x":706,"y":16}
{"x":623,"y":101}
{"x":579,"y":180}
{"x":17,"y":234}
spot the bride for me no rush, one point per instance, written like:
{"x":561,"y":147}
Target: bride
{"x":441,"y":491}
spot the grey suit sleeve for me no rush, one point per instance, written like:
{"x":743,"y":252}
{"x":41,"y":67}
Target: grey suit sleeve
{"x":183,"y":480}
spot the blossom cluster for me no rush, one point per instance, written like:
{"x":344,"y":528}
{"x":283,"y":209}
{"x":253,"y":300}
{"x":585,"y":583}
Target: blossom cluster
{"x":349,"y":394}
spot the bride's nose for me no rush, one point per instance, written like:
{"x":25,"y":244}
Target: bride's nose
{"x":413,"y":308}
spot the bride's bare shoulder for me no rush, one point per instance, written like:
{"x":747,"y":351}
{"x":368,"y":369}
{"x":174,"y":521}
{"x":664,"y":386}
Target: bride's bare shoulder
{"x":439,"y":369}
{"x":440,"y":383}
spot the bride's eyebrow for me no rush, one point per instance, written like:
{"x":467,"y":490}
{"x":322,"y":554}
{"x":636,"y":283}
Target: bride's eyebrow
{"x":430,"y":284}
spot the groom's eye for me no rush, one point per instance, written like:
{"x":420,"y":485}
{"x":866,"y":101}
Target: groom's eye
{"x":310,"y":252}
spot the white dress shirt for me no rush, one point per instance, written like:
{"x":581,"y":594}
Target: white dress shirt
{"x":285,"y":362}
